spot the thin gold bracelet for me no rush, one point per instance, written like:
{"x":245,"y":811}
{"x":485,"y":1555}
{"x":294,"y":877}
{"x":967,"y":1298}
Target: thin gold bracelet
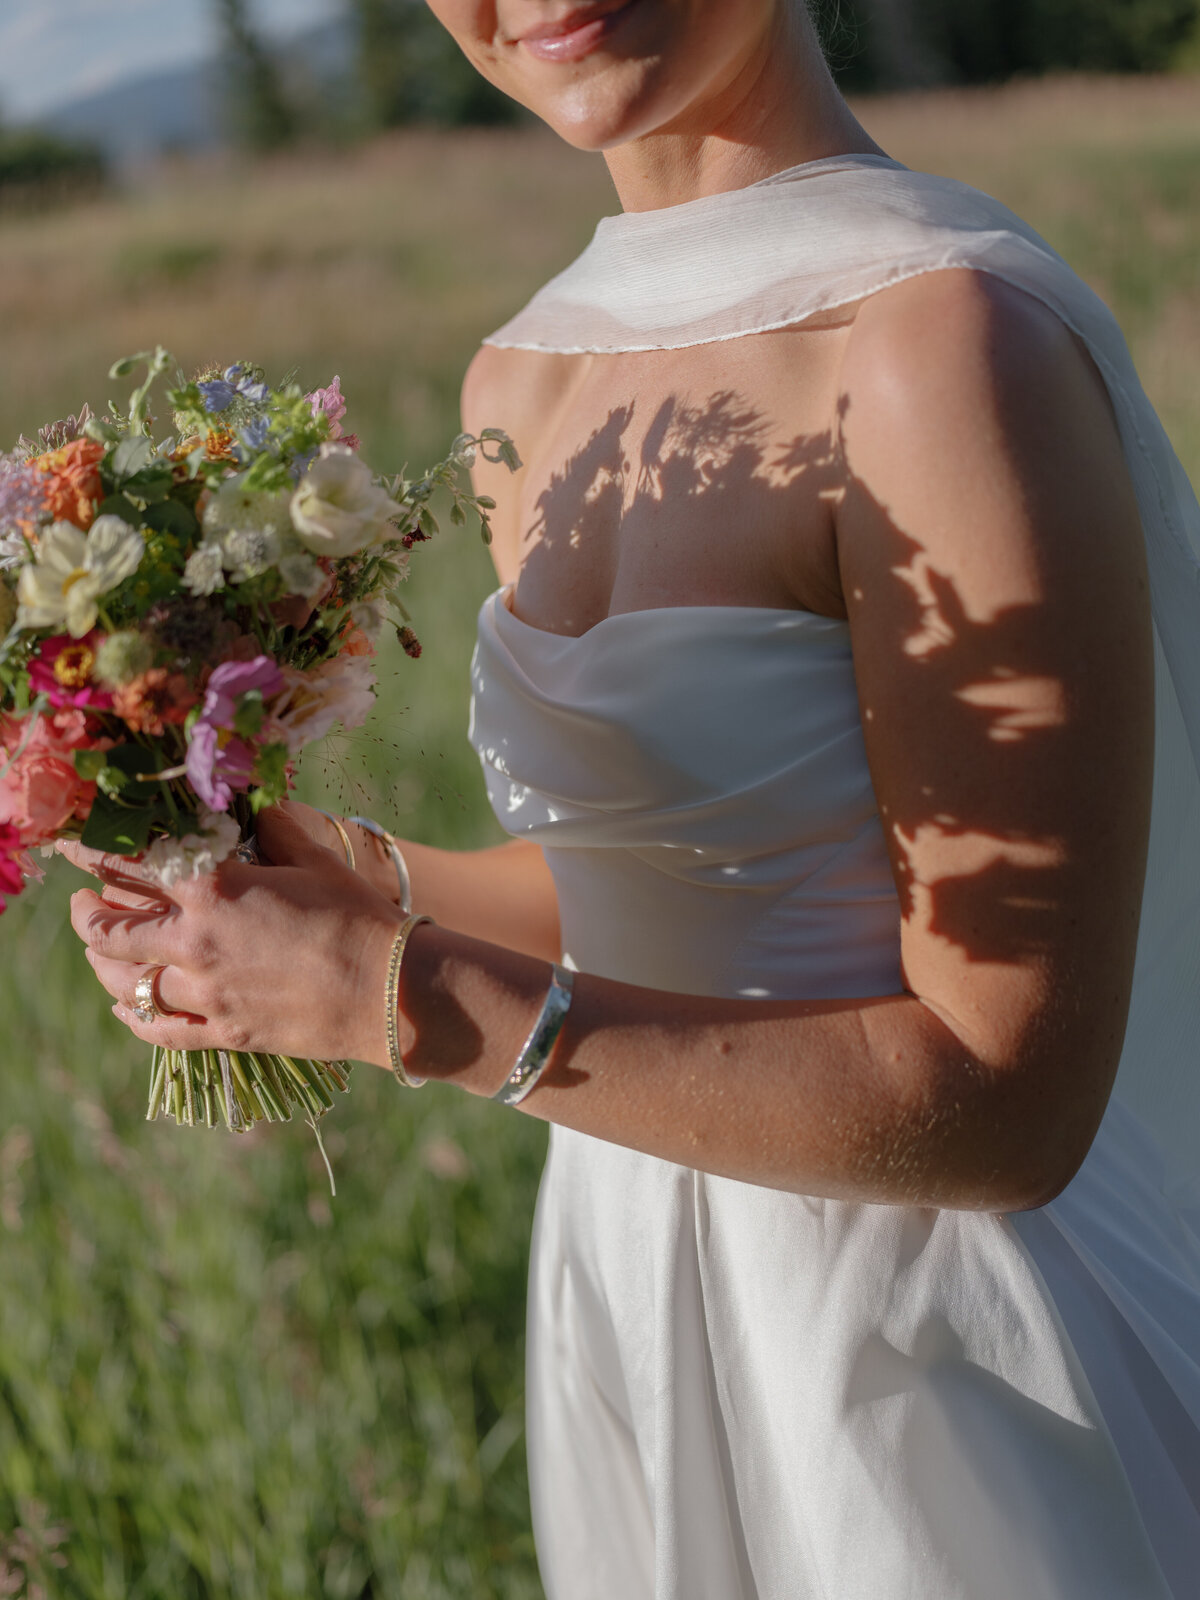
{"x":399,"y":945}
{"x":342,"y":835}
{"x":399,"y":865}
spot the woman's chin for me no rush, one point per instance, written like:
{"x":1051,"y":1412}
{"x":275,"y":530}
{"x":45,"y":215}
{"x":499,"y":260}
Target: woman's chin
{"x":607,"y":111}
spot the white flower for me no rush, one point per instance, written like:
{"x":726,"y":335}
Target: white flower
{"x":250,"y":551}
{"x":371,"y":616}
{"x":204,"y":572}
{"x":233,"y":506}
{"x":302,"y":575}
{"x":338,"y":507}
{"x":170,"y":860}
{"x":341,"y":690}
{"x":72,"y":570}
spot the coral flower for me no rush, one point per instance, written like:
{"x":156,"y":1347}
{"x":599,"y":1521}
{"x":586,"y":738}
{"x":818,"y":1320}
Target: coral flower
{"x":41,"y":791}
{"x":73,"y":481}
{"x":153,"y":700}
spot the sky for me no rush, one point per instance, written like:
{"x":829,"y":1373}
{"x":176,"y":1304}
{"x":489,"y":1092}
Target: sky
{"x":56,"y":51}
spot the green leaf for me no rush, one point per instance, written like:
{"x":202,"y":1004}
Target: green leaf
{"x":137,"y":763}
{"x":171,"y":516}
{"x":131,"y":455}
{"x":129,"y":803}
{"x":102,"y":432}
{"x":248,"y":718}
{"x":122,"y":368}
{"x":271,"y":771}
{"x":151,"y":483}
{"x":89,"y":764}
{"x":116,"y":505}
{"x":119,"y":829}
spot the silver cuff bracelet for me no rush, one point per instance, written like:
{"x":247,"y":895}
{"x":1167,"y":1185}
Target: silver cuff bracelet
{"x":535,"y":1052}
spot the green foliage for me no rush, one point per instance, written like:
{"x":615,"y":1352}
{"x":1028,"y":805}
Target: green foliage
{"x":411,"y":70}
{"x":262,"y":115}
{"x":895,"y":42}
{"x":215,"y":1382}
{"x":41,"y":165}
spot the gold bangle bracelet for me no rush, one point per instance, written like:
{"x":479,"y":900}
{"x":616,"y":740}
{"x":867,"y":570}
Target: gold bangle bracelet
{"x":399,"y":945}
{"x":342,"y":835}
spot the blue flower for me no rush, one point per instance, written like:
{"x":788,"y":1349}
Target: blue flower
{"x":301,"y":463}
{"x":218,"y":394}
{"x":256,"y":433}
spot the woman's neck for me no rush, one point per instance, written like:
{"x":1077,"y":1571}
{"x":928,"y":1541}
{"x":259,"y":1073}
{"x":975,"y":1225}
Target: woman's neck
{"x":776,"y":110}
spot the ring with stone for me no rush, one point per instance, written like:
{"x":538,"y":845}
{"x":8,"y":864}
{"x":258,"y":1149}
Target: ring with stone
{"x":147,"y":1005}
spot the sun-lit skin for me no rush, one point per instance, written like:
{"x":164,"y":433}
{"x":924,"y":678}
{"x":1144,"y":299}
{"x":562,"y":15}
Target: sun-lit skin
{"x":939,"y":466}
{"x":685,"y":97}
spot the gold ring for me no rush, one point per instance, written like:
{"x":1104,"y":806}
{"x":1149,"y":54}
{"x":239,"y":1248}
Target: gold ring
{"x":147,"y":1006}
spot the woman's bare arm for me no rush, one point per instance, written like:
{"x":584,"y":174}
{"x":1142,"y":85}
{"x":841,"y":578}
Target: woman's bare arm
{"x":992,"y":564}
{"x":993,"y":570}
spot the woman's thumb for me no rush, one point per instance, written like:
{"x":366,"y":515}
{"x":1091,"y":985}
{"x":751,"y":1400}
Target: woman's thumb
{"x":284,"y":841}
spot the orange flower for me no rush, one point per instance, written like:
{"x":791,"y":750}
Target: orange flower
{"x":356,"y":643}
{"x":218,"y":446}
{"x":73,"y":486}
{"x":149,"y":702}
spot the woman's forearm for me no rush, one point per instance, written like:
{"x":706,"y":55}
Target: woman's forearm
{"x":874,"y":1100}
{"x":504,"y":894}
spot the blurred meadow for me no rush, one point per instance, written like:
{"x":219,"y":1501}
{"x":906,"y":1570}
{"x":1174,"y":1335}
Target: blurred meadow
{"x":215,"y":1380}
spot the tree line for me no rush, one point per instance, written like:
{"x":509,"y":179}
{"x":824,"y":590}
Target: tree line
{"x":407,"y":70}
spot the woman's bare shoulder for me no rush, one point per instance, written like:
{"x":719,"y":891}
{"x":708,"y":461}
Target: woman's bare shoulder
{"x":514,"y":389}
{"x":966,"y":325}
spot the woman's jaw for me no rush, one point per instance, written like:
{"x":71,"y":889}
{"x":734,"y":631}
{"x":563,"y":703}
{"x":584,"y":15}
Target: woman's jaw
{"x":683,"y":96}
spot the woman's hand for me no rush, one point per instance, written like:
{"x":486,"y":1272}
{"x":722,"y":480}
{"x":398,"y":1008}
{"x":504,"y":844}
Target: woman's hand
{"x":371,"y":859}
{"x":290,"y":958}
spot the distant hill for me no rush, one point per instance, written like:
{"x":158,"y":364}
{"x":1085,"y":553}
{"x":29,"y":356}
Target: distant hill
{"x":183,"y":109}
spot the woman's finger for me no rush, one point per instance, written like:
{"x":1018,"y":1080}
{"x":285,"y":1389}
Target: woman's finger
{"x":123,"y":933}
{"x":286,"y":837}
{"x":123,"y":872}
{"x":170,"y":991}
{"x":171,"y":1033}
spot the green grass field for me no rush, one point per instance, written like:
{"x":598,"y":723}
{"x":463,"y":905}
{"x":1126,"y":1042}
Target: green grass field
{"x":214,"y":1380}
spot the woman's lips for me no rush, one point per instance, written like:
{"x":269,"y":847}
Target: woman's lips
{"x":576,"y":35}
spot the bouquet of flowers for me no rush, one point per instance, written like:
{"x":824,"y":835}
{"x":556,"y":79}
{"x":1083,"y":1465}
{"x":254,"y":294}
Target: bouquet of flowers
{"x":180,"y":618}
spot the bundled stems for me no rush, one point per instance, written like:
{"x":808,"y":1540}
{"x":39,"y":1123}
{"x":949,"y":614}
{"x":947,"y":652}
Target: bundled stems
{"x":237,"y":1089}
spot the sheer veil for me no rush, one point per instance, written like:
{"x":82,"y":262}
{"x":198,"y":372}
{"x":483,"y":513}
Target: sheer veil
{"x":827,"y":234}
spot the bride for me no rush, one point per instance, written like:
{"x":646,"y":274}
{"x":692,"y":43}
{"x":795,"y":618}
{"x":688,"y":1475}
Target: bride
{"x":841,"y":695}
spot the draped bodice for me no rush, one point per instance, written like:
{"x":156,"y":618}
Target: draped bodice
{"x":698,"y":779}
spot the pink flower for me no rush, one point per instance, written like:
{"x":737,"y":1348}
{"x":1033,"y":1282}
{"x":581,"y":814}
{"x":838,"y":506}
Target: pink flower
{"x":41,"y":791}
{"x":12,"y":879}
{"x":231,"y":680}
{"x":340,"y":690}
{"x":62,"y":670}
{"x":219,"y":760}
{"x":332,"y":404}
{"x":218,"y":763}
{"x":330,"y":401}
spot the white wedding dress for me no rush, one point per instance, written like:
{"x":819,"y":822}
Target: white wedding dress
{"x":739,"y":1394}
